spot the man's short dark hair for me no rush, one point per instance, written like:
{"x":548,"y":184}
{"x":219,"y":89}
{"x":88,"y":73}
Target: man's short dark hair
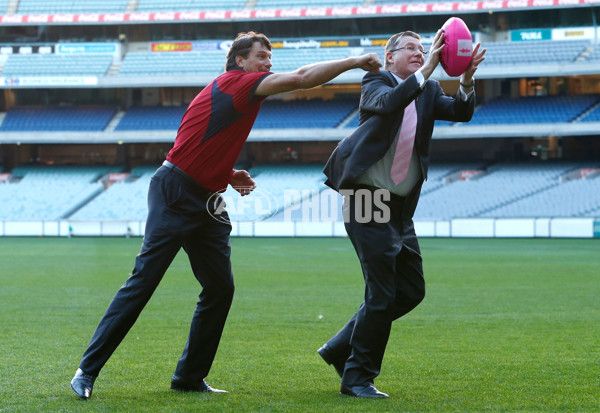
{"x":393,"y":42}
{"x":241,"y":47}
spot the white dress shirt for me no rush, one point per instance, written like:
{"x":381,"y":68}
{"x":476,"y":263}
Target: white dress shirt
{"x":378,"y":175}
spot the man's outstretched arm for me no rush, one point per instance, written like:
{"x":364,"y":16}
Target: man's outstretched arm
{"x":316,"y":74}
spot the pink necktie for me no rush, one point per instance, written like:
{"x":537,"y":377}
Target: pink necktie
{"x":404,"y":147}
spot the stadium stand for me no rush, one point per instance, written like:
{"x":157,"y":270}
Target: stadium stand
{"x":70,"y":6}
{"x":353,"y":123}
{"x":291,"y":59}
{"x":152,"y":118}
{"x":18,"y":65}
{"x":534,"y":109}
{"x":530,"y":109}
{"x":592,"y":116}
{"x":212,"y":62}
{"x":539,"y":51}
{"x":49,"y":192}
{"x":438,"y":173}
{"x":500,"y":185}
{"x":209,"y":62}
{"x":595,"y":55}
{"x":90,"y":118}
{"x":124,"y":200}
{"x":525,"y":52}
{"x":500,"y":191}
{"x":578,"y":197}
{"x":301,"y":113}
{"x":314,"y":113}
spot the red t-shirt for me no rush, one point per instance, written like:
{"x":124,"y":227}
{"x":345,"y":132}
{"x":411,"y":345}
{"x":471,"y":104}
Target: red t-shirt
{"x":215,"y":127}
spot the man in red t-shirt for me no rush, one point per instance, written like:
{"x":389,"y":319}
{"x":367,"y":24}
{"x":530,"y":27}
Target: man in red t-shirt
{"x":182,"y":197}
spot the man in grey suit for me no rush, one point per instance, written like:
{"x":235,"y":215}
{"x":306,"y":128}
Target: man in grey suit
{"x":380,"y":169}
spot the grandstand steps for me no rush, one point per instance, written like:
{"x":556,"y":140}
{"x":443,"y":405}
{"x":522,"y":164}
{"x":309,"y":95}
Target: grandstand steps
{"x":114,"y":69}
{"x":132,"y":5}
{"x":590,"y":212}
{"x":513,"y":200}
{"x":347,"y":119}
{"x":13,"y":6}
{"x":83,"y":203}
{"x":587,"y":112}
{"x":113,"y":122}
{"x":584,"y":55}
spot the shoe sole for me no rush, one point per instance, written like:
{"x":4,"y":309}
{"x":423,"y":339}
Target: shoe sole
{"x":78,"y":395}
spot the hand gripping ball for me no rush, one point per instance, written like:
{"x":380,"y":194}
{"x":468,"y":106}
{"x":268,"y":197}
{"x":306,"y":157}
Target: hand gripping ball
{"x":456,"y":55}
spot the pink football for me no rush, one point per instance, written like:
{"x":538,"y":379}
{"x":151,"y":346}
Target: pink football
{"x":456,"y":56}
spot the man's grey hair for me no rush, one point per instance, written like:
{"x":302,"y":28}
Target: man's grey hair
{"x":394,"y":41}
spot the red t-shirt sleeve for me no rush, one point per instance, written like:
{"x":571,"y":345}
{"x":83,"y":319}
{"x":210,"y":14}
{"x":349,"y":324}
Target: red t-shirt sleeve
{"x":246,"y":86}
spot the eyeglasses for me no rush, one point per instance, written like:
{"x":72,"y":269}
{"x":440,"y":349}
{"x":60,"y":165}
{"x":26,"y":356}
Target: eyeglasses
{"x":410,"y":49}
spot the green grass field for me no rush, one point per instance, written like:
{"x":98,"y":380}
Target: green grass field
{"x":507,"y":325}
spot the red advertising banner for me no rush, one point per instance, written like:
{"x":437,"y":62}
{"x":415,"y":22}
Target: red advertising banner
{"x":286,"y":14}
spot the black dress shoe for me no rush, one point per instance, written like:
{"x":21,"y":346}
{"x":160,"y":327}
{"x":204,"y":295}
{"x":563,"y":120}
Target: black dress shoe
{"x":83,"y":384}
{"x":203,"y":387}
{"x":367,"y":391}
{"x":327,"y":355}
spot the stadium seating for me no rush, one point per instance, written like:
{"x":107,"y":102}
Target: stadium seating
{"x":353,"y":123}
{"x":533,"y":52}
{"x":285,"y":60}
{"x":501,"y":191}
{"x":92,"y":118}
{"x":152,"y":118}
{"x":314,"y":113}
{"x":71,"y":6}
{"x":534,"y":109}
{"x":209,"y":62}
{"x":212,"y":62}
{"x":501,"y":185}
{"x":57,"y":65}
{"x":438,"y":172}
{"x":124,"y":200}
{"x":49,"y":192}
{"x":592,"y":116}
{"x":595,"y":55}
{"x":578,"y":197}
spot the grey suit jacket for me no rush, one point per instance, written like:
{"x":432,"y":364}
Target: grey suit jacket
{"x":381,"y":110}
